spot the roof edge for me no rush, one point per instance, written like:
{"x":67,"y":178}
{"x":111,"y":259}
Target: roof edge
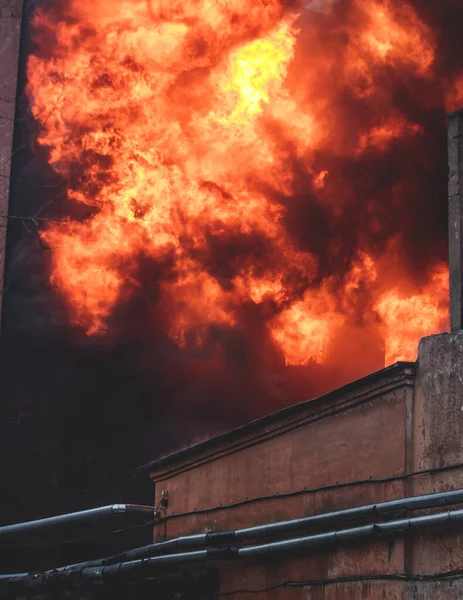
{"x":232,"y":434}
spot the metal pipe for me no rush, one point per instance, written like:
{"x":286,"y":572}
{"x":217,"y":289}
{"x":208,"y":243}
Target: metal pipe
{"x":373,"y":530}
{"x":351,"y":514}
{"x":261,"y":531}
{"x":311,"y":541}
{"x":98,"y":574}
{"x":272,"y":530}
{"x":94,"y":514}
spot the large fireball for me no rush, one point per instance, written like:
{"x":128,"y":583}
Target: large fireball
{"x":237,"y":144}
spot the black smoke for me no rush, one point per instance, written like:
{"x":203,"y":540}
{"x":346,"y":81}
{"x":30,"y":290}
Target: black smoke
{"x":87,"y":411}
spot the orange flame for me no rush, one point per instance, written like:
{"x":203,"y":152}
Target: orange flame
{"x":304,"y":330}
{"x":168,"y":117}
{"x":408,"y":316}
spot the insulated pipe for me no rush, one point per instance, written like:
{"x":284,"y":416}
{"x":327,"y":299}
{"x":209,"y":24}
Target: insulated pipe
{"x":270,"y":530}
{"x":366,"y":531}
{"x":360,"y":512}
{"x":94,"y":514}
{"x":250,"y":533}
{"x":97,"y":574}
{"x":374,"y":530}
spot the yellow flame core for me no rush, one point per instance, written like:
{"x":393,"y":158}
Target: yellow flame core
{"x":256,"y":74}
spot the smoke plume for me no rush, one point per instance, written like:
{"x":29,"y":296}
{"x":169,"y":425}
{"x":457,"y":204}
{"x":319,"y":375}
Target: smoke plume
{"x":252,"y":211}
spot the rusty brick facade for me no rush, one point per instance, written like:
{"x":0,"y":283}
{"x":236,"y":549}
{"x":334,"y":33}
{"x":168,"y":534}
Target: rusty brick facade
{"x":404,"y":419}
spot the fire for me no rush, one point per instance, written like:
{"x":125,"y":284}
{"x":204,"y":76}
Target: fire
{"x":381,"y":137}
{"x":191,"y":131}
{"x":390,"y":34}
{"x":408,"y":316}
{"x":254,"y":74}
{"x":305,"y":328}
{"x":393,"y":33}
{"x":198,"y":300}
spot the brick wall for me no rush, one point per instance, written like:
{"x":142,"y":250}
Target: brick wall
{"x":388,"y":424}
{"x":10,"y":27}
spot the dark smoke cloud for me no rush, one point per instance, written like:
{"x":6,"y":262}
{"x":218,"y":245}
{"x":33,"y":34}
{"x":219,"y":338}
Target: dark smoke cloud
{"x":93,"y":409}
{"x":385,"y":193}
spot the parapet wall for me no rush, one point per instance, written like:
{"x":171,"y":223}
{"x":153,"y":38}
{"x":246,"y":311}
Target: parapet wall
{"x":355,"y":433}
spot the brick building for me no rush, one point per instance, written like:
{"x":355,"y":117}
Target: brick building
{"x":356,"y":494}
{"x":393,"y":435}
